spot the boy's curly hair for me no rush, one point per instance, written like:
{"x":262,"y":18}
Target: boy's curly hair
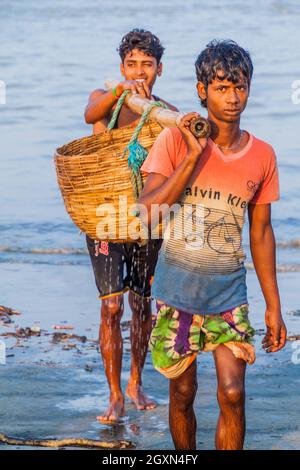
{"x":142,"y":40}
{"x":225,"y":60}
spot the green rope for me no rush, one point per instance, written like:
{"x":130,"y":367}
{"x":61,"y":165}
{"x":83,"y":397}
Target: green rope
{"x":115,"y":115}
{"x":137,"y":153}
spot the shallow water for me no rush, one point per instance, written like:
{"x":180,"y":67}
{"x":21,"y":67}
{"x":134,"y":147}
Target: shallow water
{"x":52,"y":54}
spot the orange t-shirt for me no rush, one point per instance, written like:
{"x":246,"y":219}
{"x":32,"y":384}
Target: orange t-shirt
{"x":211,"y":278}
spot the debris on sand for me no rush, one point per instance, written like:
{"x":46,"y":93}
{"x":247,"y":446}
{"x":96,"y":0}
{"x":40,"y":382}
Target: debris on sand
{"x":61,"y":327}
{"x":260,"y":332}
{"x":35,"y":329}
{"x":60,"y":337}
{"x":69,"y":346}
{"x":68,"y":341}
{"x":125,"y":325}
{"x":294,"y":313}
{"x":23,"y":332}
{"x":293,"y":338}
{"x":6,"y":313}
{"x":69,"y":442}
{"x":134,"y":428}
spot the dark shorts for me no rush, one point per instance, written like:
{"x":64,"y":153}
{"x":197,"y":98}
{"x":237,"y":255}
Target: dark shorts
{"x":110,"y":260}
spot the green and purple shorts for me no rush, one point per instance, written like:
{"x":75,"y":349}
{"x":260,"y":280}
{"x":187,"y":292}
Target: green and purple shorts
{"x":178,"y":337}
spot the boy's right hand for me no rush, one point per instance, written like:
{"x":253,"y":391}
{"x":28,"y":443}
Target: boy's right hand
{"x":136,"y":87}
{"x":195,"y":146}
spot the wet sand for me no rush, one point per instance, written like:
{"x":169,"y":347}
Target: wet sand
{"x":51,"y":392}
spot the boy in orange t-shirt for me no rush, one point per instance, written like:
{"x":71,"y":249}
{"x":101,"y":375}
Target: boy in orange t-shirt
{"x":200,"y":277}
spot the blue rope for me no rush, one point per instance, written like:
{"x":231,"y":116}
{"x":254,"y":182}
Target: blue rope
{"x":137,"y":153}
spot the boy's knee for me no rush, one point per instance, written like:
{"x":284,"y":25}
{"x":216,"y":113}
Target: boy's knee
{"x":112,"y":308}
{"x":231,"y":394}
{"x":140,"y":305}
{"x":183,"y":394}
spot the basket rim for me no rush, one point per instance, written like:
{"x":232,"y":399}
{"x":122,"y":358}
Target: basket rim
{"x":95,"y":137}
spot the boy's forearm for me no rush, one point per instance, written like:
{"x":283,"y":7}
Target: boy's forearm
{"x":99,"y":108}
{"x":263,"y":250}
{"x":170,"y":191}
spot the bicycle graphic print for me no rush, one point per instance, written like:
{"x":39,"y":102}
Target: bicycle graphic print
{"x":222,"y":230}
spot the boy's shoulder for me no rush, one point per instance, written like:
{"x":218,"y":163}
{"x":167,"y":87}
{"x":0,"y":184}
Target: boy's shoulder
{"x":171,"y":141}
{"x":263,"y":154}
{"x":96,"y":93}
{"x":170,"y":106}
{"x":262,"y":145}
{"x":172,"y":134}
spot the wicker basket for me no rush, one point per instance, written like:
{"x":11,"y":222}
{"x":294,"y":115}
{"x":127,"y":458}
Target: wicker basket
{"x":93,"y":171}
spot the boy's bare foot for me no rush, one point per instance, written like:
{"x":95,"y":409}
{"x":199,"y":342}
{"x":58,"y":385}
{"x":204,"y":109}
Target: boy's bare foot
{"x":114,"y":411}
{"x":139,"y":398}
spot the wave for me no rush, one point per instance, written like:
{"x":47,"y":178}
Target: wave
{"x":280,"y":268}
{"x":38,"y":227}
{"x":34,"y":262}
{"x":83,"y":260}
{"x":281,"y":244}
{"x":44,"y":251}
{"x":289,"y":243}
{"x":293,"y":243}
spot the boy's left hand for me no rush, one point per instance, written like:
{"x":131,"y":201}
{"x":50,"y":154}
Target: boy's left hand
{"x":275,"y":337}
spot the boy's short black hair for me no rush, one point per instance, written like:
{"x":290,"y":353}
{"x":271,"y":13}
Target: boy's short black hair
{"x":142,"y":40}
{"x":226,"y":57}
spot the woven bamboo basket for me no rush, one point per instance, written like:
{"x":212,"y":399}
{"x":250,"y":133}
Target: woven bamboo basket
{"x":92,"y":172}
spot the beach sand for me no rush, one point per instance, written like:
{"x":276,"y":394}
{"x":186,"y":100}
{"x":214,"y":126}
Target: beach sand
{"x":47,"y":392}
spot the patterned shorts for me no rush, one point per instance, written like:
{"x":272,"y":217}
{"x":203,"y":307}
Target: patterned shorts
{"x":178,"y":337}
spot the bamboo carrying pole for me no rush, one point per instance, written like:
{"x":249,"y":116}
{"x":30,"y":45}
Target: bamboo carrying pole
{"x":200,"y":127}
